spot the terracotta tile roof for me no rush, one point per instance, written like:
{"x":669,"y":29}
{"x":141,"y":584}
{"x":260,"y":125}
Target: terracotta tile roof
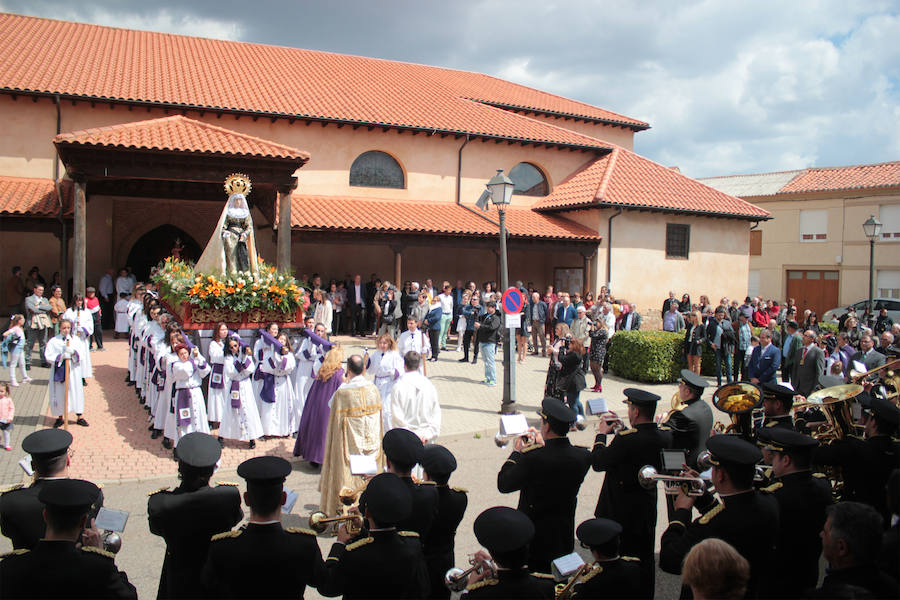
{"x":341,"y":213}
{"x":180,"y":134}
{"x":623,"y":178}
{"x":90,"y":61}
{"x":32,"y":197}
{"x":845,"y":178}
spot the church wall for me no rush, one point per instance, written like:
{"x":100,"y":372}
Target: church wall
{"x":608,"y":133}
{"x":27,"y":249}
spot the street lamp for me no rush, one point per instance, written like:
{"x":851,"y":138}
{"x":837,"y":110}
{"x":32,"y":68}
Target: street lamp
{"x":501,"y":189}
{"x":872,"y":229}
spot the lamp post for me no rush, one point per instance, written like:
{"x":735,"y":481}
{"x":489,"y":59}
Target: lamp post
{"x":872,"y":229}
{"x":501,"y":189}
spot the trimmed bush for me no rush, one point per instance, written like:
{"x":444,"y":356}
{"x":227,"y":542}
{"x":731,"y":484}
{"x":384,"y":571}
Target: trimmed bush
{"x":831,"y":328}
{"x":647,"y":356}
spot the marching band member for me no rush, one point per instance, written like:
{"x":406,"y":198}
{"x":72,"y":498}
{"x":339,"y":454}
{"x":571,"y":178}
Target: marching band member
{"x":386,"y":365}
{"x":402,"y":451}
{"x":216,"y":396}
{"x":276,"y":398}
{"x":777,"y":403}
{"x":240,"y":419}
{"x":190,"y":407}
{"x":611,"y":575}
{"x":61,"y":350}
{"x":438,"y":546}
{"x":692,"y":422}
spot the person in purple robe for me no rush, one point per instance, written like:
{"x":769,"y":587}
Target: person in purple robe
{"x":313,"y":431}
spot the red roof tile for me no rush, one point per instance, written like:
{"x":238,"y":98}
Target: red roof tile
{"x":180,"y":134}
{"x":340,"y":213}
{"x":845,"y":178}
{"x":623,"y":178}
{"x":74,"y":59}
{"x":32,"y":197}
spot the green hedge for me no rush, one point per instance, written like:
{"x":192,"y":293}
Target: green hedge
{"x":646,"y":356}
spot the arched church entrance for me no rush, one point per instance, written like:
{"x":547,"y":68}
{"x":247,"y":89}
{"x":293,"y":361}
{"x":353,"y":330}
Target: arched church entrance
{"x":156,"y":245}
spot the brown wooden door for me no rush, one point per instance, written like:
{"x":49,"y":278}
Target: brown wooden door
{"x":813,"y":289}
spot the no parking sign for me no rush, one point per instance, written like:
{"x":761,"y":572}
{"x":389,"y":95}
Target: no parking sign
{"x":512,"y":303}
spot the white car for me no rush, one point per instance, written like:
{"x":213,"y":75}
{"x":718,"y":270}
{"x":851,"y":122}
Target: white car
{"x":891,"y":304}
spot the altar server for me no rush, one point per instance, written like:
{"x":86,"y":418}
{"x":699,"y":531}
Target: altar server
{"x":240,"y":419}
{"x":189,"y":413}
{"x":61,"y":350}
{"x":386,"y":365}
{"x":276,"y":398}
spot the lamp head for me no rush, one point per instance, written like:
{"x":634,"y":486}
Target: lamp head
{"x":501,"y":188}
{"x":872,"y":227}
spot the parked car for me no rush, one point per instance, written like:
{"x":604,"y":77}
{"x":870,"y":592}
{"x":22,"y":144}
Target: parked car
{"x":891,"y":304}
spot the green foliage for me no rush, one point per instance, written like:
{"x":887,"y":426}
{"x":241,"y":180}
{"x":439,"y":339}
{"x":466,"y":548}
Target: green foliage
{"x":647,"y":356}
{"x":831,"y":328}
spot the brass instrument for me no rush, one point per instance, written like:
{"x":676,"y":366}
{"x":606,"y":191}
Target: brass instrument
{"x":691,"y":486}
{"x":566,"y":591}
{"x":856,"y":376}
{"x":112,"y":541}
{"x":319,"y":522}
{"x":741,"y":400}
{"x":457,"y":580}
{"x":676,"y":406}
{"x":834,"y":402}
{"x":528,"y":437}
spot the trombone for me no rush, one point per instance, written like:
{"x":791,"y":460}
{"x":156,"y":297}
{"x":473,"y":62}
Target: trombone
{"x":457,"y":580}
{"x":856,"y":376}
{"x":692,"y":486}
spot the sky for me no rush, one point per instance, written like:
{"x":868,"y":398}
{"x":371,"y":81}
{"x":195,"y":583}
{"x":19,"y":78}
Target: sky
{"x":727,"y":86}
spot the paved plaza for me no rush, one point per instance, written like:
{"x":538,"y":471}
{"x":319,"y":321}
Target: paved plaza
{"x":116,"y":450}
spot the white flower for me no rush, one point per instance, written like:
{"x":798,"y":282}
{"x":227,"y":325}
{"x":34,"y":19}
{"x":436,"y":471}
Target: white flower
{"x":253,"y":294}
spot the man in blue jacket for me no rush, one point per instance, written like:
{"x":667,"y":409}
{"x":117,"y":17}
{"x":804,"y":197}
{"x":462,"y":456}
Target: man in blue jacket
{"x":432,"y":324}
{"x":764,"y":360}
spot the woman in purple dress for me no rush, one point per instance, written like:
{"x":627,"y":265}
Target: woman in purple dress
{"x":316,"y":412}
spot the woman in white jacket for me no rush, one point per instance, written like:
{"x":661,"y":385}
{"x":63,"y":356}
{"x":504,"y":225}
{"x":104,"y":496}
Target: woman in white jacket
{"x":324,"y":312}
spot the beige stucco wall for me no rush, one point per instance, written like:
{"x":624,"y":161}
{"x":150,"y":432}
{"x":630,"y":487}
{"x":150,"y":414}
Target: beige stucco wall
{"x":608,"y":133}
{"x":846,"y":249}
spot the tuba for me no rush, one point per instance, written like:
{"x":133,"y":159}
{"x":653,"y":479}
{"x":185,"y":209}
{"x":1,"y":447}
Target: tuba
{"x":740,"y":400}
{"x":835,"y":404}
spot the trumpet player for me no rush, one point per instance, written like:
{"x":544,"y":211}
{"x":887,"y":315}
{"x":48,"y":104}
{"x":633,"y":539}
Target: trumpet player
{"x":692,"y":420}
{"x":438,"y":464}
{"x":612,"y":575}
{"x":402,"y":451}
{"x":548,"y":476}
{"x":622,"y":498}
{"x":867,"y":463}
{"x":743,"y":517}
{"x":507,"y":534}
{"x":263,"y":560}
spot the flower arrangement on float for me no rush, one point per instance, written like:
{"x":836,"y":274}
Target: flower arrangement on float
{"x":246,"y":297}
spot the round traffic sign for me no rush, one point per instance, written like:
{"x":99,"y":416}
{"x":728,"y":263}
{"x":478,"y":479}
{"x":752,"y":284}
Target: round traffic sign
{"x":512,"y":301}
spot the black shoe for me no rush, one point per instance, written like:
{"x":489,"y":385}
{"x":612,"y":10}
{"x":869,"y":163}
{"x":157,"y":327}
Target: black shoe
{"x":156,"y":433}
{"x":474,"y":361}
{"x":84,"y":382}
{"x":58,"y":423}
{"x":464,"y":359}
{"x":130,"y":383}
{"x":150,"y":429}
{"x":81,"y":422}
{"x":167,"y":443}
{"x":27,"y":367}
{"x":252,"y":444}
{"x":45,"y":365}
{"x":222,"y":442}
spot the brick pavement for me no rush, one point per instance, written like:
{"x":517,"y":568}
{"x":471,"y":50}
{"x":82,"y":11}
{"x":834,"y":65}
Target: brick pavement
{"x":29,"y":401}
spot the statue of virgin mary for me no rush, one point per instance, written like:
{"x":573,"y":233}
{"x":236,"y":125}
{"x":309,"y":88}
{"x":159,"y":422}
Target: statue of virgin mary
{"x":232,"y":248}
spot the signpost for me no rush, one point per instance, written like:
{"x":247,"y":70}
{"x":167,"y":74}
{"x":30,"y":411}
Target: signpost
{"x":512,"y":303}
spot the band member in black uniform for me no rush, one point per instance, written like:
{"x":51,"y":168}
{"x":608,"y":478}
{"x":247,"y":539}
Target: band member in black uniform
{"x":777,"y":403}
{"x":622,"y":497}
{"x":867,"y":463}
{"x":387,"y":563}
{"x":506,"y":533}
{"x":57,"y":567}
{"x":612,"y":575}
{"x":263,"y":560}
{"x":21,"y":513}
{"x":802,"y":501}
{"x":549,"y":474}
{"x":188,"y":516}
{"x":403,"y":451}
{"x":691,"y":424}
{"x":743,"y":517}
{"x":439,"y":463}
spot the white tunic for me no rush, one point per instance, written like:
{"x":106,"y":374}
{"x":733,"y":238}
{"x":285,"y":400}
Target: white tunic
{"x":121,"y":310}
{"x":414,"y":406}
{"x":83,"y":328}
{"x":277,"y":417}
{"x":386,"y":367}
{"x":188,"y":376}
{"x":418,"y":341}
{"x":56,"y":353}
{"x":309,"y":357}
{"x":240,"y":423}
{"x":166,"y":360}
{"x":152,"y":342}
{"x":215,"y":398}
{"x":137,"y":326}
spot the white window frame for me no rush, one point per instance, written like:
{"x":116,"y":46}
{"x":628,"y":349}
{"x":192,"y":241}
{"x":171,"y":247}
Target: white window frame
{"x":814,"y":225}
{"x":753,"y":284}
{"x":889,"y":215}
{"x":887,"y":284}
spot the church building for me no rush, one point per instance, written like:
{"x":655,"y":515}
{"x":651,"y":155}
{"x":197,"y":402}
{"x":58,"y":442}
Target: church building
{"x":116,"y":142}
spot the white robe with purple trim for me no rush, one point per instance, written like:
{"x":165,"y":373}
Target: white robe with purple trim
{"x":55,"y":353}
{"x":167,"y":358}
{"x":240,"y":423}
{"x":277,"y":417}
{"x":215,"y":397}
{"x":189,"y":377}
{"x":83,"y":329}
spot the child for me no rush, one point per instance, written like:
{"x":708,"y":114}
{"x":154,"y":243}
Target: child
{"x":121,"y":310}
{"x":7,"y":412}
{"x":14,"y":340}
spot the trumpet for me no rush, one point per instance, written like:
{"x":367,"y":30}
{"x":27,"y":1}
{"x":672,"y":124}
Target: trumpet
{"x":616,"y":422}
{"x":456,"y":579}
{"x":502,"y":440}
{"x":319,"y":522}
{"x":691,"y":486}
{"x":566,"y":591}
{"x":112,"y":541}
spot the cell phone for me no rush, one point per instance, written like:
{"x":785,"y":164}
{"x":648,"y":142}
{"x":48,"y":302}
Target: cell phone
{"x":672,"y":460}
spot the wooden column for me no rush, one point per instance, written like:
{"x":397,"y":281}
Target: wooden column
{"x":283,"y":262}
{"x":79,"y":260}
{"x":398,"y":266}
{"x":588,"y":271}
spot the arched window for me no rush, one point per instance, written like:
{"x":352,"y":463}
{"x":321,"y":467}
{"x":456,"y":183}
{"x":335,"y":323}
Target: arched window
{"x":376,"y":169}
{"x":529,"y":180}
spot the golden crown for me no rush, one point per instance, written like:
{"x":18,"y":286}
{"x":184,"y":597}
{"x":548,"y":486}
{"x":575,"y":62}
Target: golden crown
{"x":237,"y":183}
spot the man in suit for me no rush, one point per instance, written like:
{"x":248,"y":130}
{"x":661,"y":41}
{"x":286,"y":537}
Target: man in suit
{"x":549,"y":474}
{"x":37,"y":324}
{"x":808,"y":366}
{"x":371,"y":287}
{"x":632,"y":320}
{"x":789,"y":350}
{"x":867,"y":355}
{"x":357,"y":300}
{"x":723,"y":343}
{"x":764,"y":360}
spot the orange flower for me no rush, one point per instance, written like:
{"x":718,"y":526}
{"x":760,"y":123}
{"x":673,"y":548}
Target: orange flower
{"x":240,"y":285}
{"x":229,"y":290}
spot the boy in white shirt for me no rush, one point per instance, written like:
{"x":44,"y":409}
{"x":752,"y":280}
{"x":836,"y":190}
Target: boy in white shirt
{"x":121,"y":310}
